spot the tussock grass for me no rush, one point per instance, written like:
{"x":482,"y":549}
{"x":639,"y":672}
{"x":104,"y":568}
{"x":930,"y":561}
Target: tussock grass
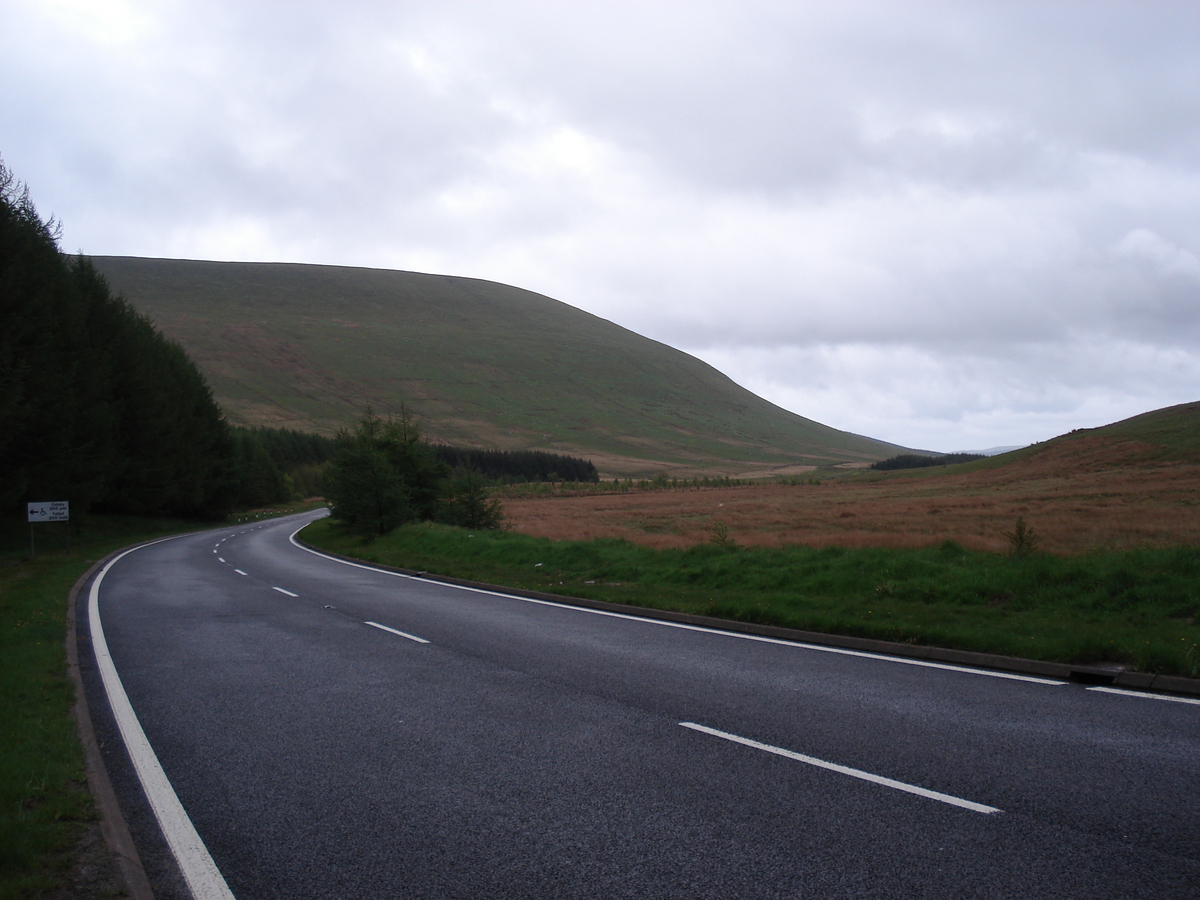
{"x":1136,"y":607}
{"x":1074,"y":502}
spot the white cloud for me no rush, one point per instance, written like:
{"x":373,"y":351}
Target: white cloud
{"x":1168,"y":258}
{"x":969,"y":398}
{"x":919,"y":222}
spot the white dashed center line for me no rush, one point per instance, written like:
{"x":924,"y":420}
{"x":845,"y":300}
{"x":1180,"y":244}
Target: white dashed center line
{"x":239,"y":571}
{"x":411,"y":637}
{"x":684,"y":626}
{"x":846,"y":770}
{"x":282,"y":591}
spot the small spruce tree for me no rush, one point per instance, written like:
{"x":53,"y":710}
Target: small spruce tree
{"x":469,"y":505}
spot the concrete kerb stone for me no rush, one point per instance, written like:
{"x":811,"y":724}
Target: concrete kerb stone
{"x":1117,"y":676}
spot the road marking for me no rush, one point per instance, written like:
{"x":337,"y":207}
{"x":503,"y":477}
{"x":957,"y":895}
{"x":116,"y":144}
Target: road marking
{"x":846,"y":770}
{"x":240,"y":572}
{"x":1145,"y":695}
{"x":411,"y":637}
{"x":900,"y":660}
{"x":203,"y":878}
{"x":220,"y":559}
{"x":282,"y":591}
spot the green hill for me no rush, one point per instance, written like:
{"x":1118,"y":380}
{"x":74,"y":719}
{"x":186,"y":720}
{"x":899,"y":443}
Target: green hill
{"x":1174,"y":429}
{"x":1160,"y":437}
{"x":480,"y":363}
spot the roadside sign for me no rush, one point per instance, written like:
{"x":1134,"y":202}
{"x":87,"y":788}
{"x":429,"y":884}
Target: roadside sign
{"x":53,"y":511}
{"x":50,"y":511}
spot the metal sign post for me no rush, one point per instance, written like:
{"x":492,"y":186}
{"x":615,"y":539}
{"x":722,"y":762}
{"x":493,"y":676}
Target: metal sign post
{"x":49,"y":511}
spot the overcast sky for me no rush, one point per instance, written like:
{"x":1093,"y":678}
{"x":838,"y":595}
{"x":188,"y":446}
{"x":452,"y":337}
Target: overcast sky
{"x":947,"y":225}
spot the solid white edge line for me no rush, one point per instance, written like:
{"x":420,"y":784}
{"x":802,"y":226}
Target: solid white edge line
{"x":846,"y":770}
{"x":203,"y":877}
{"x":686,"y":627}
{"x":1147,"y":695}
{"x":411,"y":637}
{"x":282,"y":591}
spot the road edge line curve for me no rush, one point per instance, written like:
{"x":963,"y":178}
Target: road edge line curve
{"x":912,"y":654}
{"x":204,"y":879}
{"x":770,"y":634}
{"x":113,"y":827}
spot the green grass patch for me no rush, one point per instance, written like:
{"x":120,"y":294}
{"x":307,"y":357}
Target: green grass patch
{"x":44,"y":800}
{"x":1138,"y":607}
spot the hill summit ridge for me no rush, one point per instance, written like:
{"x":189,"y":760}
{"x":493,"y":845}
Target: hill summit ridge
{"x":480,"y":363}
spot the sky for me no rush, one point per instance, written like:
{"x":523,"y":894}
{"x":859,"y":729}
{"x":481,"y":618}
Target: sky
{"x":948,"y":225}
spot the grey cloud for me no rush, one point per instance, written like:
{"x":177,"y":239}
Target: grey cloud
{"x":999,"y":197}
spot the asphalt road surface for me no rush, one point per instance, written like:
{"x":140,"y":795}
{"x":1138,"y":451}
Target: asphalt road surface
{"x":332,"y":731}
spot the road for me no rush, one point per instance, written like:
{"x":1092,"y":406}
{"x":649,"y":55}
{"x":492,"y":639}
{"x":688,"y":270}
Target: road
{"x":333,"y":731}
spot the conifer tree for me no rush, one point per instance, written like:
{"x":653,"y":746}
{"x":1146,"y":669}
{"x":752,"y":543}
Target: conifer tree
{"x":96,"y":406}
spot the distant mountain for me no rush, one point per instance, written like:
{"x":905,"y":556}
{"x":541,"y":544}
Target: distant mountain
{"x":480,"y":363}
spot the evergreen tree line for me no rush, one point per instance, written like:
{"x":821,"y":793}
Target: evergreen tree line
{"x":96,"y":406}
{"x":296,"y":463}
{"x":516,"y":466}
{"x":293,"y":452}
{"x":383,"y":475}
{"x":918,"y":461}
{"x":289,"y":448}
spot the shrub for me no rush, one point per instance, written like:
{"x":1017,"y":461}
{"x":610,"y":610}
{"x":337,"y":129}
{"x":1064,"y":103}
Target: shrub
{"x":1021,"y":540}
{"x":468,"y":504}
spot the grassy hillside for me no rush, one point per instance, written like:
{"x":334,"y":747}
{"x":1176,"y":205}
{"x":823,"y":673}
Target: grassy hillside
{"x":1161,"y":436}
{"x":1175,"y":430}
{"x":1125,"y":487}
{"x":481,"y":363}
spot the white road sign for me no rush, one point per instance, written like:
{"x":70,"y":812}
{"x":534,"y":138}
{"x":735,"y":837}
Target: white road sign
{"x":53,"y":511}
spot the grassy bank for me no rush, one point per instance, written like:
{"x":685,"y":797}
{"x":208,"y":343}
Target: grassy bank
{"x":45,"y":808}
{"x":1137,"y":607}
{"x":44,"y":802}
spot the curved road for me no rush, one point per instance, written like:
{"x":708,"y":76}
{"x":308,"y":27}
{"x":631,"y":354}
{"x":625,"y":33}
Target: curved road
{"x":333,"y":731}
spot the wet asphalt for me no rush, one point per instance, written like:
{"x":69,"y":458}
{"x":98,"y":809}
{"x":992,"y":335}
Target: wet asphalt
{"x":530,"y":750}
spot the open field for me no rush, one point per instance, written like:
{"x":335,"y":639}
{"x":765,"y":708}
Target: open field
{"x":1079,"y":494}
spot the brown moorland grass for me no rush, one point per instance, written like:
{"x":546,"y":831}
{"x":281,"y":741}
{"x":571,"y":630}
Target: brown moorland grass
{"x":1089,"y":492}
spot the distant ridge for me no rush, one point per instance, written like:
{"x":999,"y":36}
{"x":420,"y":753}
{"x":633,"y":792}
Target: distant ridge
{"x":993,"y":451}
{"x":481,"y":363}
{"x":1167,"y":436}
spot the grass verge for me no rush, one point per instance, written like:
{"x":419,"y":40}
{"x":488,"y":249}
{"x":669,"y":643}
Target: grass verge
{"x":44,"y":800}
{"x":1135,"y":607}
